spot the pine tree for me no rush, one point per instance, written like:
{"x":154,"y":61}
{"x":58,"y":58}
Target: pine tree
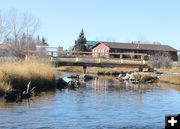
{"x":43,"y":42}
{"x":81,"y":41}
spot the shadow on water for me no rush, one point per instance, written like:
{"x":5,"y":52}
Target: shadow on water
{"x":104,"y":103}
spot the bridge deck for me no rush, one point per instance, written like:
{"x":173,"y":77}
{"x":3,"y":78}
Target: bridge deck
{"x":60,"y":63}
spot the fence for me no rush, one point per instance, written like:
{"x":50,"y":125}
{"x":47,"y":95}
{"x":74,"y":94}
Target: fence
{"x":73,"y":56}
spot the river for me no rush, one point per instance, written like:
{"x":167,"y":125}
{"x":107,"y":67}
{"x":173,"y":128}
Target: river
{"x":103,"y":103}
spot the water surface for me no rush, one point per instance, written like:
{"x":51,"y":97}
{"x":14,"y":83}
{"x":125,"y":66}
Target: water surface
{"x":103,"y":103}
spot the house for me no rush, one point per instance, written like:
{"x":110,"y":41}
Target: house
{"x":103,"y":49}
{"x":4,"y":50}
{"x":88,"y":45}
{"x":50,"y":49}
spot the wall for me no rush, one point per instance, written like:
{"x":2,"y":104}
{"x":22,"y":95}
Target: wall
{"x":100,"y":51}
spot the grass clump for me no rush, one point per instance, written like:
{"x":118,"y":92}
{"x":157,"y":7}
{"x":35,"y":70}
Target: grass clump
{"x":16,"y":73}
{"x":171,"y":78}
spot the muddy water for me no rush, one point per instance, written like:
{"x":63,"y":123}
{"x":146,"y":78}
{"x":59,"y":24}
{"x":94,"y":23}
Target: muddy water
{"x":103,"y":103}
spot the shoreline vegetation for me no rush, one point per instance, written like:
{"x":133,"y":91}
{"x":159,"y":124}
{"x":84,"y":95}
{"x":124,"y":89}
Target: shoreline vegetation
{"x":20,"y":76}
{"x":170,"y":75}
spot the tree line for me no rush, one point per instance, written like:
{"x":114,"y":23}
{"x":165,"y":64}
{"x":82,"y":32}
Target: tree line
{"x":18,"y":31}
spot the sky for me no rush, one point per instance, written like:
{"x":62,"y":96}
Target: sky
{"x":103,"y":20}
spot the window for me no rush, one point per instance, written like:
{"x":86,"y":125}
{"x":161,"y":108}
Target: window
{"x":102,"y":51}
{"x":95,"y":51}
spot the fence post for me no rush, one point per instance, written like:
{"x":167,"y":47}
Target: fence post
{"x":52,"y":54}
{"x":142,"y":59}
{"x":26,"y":58}
{"x":99,"y":60}
{"x":77,"y":59}
{"x":121,"y":58}
{"x":27,"y":55}
{"x":84,"y":69}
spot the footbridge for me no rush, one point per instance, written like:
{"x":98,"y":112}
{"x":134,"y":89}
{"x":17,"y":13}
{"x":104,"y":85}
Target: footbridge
{"x":88,"y":59}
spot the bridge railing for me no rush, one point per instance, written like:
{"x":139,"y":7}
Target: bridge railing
{"x":74,"y":56}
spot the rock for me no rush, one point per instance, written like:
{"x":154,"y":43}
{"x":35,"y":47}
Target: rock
{"x":84,"y":76}
{"x":132,"y":77}
{"x":74,"y":76}
{"x":115,"y":73}
{"x":13,"y":95}
{"x":157,"y":72}
{"x":1,"y":93}
{"x":60,"y":84}
{"x":120,"y":76}
{"x":101,"y":73}
{"x":126,"y":77}
{"x":139,"y":77}
{"x":76,"y":84}
{"x":108,"y":73}
{"x":73,"y":84}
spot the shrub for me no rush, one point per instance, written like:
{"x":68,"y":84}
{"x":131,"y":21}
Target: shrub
{"x":159,"y":60}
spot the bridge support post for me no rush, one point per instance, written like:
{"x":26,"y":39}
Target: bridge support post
{"x":26,"y":57}
{"x":85,"y":69}
{"x":140,"y":69}
{"x":142,"y":59}
{"x":51,"y":59}
{"x":77,"y":59}
{"x":121,"y":58}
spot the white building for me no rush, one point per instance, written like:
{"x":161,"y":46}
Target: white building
{"x":50,"y":49}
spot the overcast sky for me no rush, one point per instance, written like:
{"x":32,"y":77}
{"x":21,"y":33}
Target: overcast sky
{"x":114,"y":20}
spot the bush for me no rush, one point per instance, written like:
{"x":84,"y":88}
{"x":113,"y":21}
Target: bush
{"x":159,"y":60}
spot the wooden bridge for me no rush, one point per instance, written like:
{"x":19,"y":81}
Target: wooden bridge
{"x":86,"y":59}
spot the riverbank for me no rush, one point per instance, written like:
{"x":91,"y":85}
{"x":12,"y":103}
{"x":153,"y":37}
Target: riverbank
{"x":170,"y":75}
{"x":17,"y":73}
{"x":95,"y":70}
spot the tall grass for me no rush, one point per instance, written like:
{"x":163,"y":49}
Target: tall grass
{"x":171,"y":78}
{"x":16,"y":73}
{"x":171,"y":75}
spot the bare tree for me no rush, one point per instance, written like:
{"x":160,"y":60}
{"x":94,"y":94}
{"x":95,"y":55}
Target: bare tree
{"x":4,"y":27}
{"x":21,"y":32}
{"x":160,"y":59}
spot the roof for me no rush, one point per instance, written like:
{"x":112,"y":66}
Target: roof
{"x":137,"y":46}
{"x":91,"y":43}
{"x":3,"y":46}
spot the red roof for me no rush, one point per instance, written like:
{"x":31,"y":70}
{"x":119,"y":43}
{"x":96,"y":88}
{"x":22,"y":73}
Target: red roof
{"x":137,"y":46}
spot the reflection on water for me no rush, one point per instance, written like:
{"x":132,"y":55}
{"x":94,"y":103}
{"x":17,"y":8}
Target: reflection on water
{"x":103,"y":103}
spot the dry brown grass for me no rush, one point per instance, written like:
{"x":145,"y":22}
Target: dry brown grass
{"x":17,"y":73}
{"x":171,"y":75}
{"x":175,"y":68}
{"x":171,"y":78}
{"x":94,"y":70}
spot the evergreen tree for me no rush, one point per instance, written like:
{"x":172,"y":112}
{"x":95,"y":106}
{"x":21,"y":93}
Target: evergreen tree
{"x":81,"y":41}
{"x":43,"y":42}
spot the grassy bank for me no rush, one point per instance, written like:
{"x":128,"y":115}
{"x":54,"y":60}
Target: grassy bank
{"x":95,"y":70}
{"x":171,"y":75}
{"x":16,"y":73}
{"x":171,"y":78}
